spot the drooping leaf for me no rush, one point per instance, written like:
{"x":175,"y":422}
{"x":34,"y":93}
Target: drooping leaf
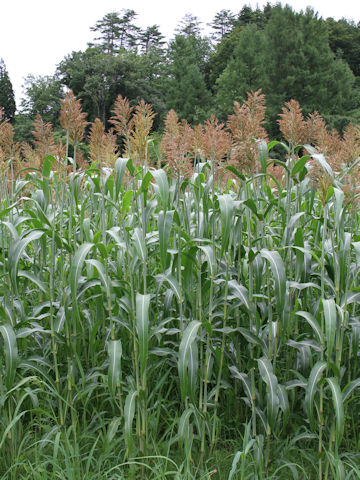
{"x":11,"y":353}
{"x":114,"y":371}
{"x":142,"y":327}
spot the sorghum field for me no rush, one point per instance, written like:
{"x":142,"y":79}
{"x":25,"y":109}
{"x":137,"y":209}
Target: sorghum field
{"x":182,"y":309}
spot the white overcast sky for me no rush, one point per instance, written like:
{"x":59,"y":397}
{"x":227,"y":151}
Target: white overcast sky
{"x":35,"y":35}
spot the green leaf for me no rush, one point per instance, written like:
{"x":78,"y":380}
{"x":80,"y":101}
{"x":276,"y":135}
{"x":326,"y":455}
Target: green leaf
{"x":130,"y":166}
{"x":210,"y":258}
{"x":145,"y":183}
{"x":76,"y":267}
{"x":226,"y":204}
{"x":112,"y":429}
{"x":350,"y":388}
{"x":187,"y":361}
{"x":171,"y":281}
{"x":299,"y":165}
{"x":274,"y":143}
{"x":47,"y":165}
{"x":330,"y":324}
{"x":165,"y":224}
{"x":16,"y":251}
{"x":245,"y":380}
{"x":235,"y":172}
{"x":129,"y":412}
{"x":139,"y":243}
{"x":126,"y":200}
{"x":120,"y":167}
{"x":338,"y":408}
{"x":240,"y":292}
{"x":114,"y":371}
{"x":266,"y":372}
{"x":162,"y":187}
{"x":278,"y":269}
{"x":142,"y":327}
{"x":252,"y":338}
{"x":34,"y":279}
{"x":319,"y":157}
{"x":183,"y":431}
{"x":312,"y":322}
{"x":101,"y":271}
{"x":252,"y":206}
{"x":234,"y":464}
{"x":11,"y":353}
{"x":315,"y":376}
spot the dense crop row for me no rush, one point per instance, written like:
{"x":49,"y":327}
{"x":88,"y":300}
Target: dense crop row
{"x":169,"y":320}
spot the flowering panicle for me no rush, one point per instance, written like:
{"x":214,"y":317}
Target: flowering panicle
{"x":72,"y":118}
{"x":216,"y":141}
{"x":211,"y":142}
{"x":292,"y":124}
{"x":176,"y":144}
{"x":97,"y":131}
{"x":43,"y":140}
{"x":246,"y":127}
{"x":102,"y":145}
{"x":350,"y":152}
{"x":122,"y":118}
{"x":327,"y":143}
{"x":6,"y":139}
{"x":141,"y":123}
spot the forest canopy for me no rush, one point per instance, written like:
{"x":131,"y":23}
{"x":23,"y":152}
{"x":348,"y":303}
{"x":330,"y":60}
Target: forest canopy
{"x":288,"y":54}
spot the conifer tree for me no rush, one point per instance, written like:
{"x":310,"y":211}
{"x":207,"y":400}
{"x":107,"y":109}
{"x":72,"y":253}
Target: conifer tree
{"x":117,"y":31}
{"x":7,"y":97}
{"x":222,"y":25}
{"x":245,"y":71}
{"x":301,"y":65}
{"x":185,"y":87}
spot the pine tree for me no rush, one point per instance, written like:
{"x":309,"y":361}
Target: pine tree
{"x":245,"y":71}
{"x":189,"y":26}
{"x":7,"y":97}
{"x":222,"y":25}
{"x":151,"y":39}
{"x":301,"y":65}
{"x":117,"y":31}
{"x":185,"y":87}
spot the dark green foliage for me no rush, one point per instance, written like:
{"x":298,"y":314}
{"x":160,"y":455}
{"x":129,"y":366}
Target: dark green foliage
{"x":151,"y":39}
{"x":7,"y":97}
{"x":98,"y":78}
{"x":301,"y":65}
{"x":43,"y":96}
{"x":287,"y":54}
{"x":344,"y":41}
{"x":186,"y":90}
{"x":245,"y":71}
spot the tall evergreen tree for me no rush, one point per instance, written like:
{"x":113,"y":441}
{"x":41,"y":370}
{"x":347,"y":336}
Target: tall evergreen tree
{"x":185,"y":87}
{"x":301,"y":65}
{"x":151,"y":39}
{"x":344,"y":40}
{"x":117,"y":31}
{"x":222,"y":25}
{"x":189,"y":26}
{"x":245,"y":71}
{"x":7,"y":97}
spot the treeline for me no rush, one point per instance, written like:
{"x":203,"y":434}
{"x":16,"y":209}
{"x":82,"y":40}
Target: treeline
{"x":285,"y":53}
